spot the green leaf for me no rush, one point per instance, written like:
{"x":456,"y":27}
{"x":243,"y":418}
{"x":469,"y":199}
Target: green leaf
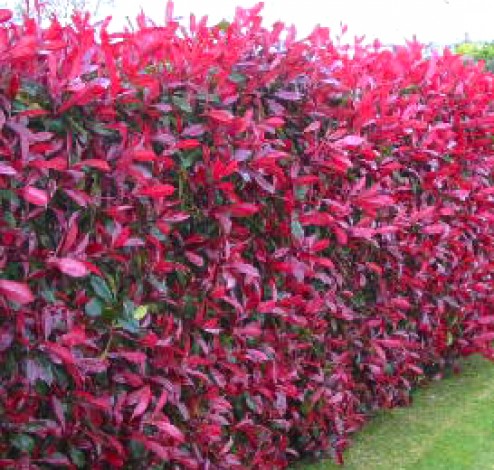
{"x":49,"y":296}
{"x":140,"y":312}
{"x":297,"y":230}
{"x":57,"y":126}
{"x":131,"y":326}
{"x":250,"y":403}
{"x":301,"y":192}
{"x":236,"y":77}
{"x":77,"y":457}
{"x":158,"y":234}
{"x":182,"y":104}
{"x":209,"y":97}
{"x":94,"y":307}
{"x":160,"y":286}
{"x":137,"y":449}
{"x":23,"y":442}
{"x":103,"y":131}
{"x":223,"y":25}
{"x":10,"y":219}
{"x":186,"y":161}
{"x":128,"y":307}
{"x":9,"y":195}
{"x":101,"y":289}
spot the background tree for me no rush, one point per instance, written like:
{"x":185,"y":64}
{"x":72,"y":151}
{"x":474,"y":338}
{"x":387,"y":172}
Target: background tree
{"x":63,"y":9}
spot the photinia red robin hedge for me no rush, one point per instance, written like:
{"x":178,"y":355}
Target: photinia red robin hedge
{"x":222,"y":247}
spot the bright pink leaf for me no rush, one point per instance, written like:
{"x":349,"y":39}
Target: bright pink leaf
{"x":18,"y":292}
{"x":158,"y":190}
{"x":35,"y":196}
{"x":70,"y":266}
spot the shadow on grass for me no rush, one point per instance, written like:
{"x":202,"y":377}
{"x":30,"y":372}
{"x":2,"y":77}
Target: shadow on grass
{"x":449,"y":426}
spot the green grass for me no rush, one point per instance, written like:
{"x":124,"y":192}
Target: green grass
{"x":450,"y":426}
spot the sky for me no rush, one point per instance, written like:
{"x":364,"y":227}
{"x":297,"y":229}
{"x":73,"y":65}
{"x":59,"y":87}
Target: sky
{"x":391,"y":21}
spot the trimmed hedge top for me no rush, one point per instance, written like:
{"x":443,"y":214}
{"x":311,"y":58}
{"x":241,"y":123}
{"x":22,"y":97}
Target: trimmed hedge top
{"x":221,"y":247}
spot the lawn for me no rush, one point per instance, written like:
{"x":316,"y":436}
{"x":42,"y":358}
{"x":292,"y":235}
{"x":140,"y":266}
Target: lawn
{"x":450,"y":426}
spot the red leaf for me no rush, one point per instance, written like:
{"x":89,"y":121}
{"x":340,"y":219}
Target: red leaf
{"x":5,"y":15}
{"x":320,"y":245}
{"x":306,"y":180}
{"x":93,"y":163}
{"x":143,"y":398}
{"x":194,"y":130}
{"x":221,"y":116}
{"x":7,"y":170}
{"x":158,"y":190}
{"x":75,"y":337}
{"x":14,"y":291}
{"x":351,"y":141}
{"x":57,"y":163}
{"x":58,"y":460}
{"x":274,"y":121}
{"x":134,"y":357}
{"x":33,"y":113}
{"x":391,"y":343}
{"x":243,"y":209}
{"x":485,"y":337}
{"x":315,"y":126}
{"x":102,"y":403}
{"x":54,"y":45}
{"x":375,"y":268}
{"x":122,"y":237}
{"x":24,"y":49}
{"x":57,"y":408}
{"x":188,"y":144}
{"x":70,"y":235}
{"x":170,"y":430}
{"x":35,"y":196}
{"x":401,"y":303}
{"x":325,"y":262}
{"x":70,"y":266}
{"x":256,"y":356}
{"x":319,"y":219}
{"x":93,"y":269}
{"x":220,"y":170}
{"x":162,"y":452}
{"x":143,"y":155}
{"x":79,"y":197}
{"x":246,"y":269}
{"x":362,"y":232}
{"x":434,"y":229}
{"x":60,"y":352}
{"x":251,"y":330}
{"x":289,"y":95}
{"x":6,"y":339}
{"x":194,"y":258}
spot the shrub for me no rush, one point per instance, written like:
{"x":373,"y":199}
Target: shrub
{"x":223,"y":249}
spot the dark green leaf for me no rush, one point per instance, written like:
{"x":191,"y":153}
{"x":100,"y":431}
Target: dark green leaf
{"x":77,"y":457}
{"x":101,"y":289}
{"x":297,"y":230}
{"x":236,"y":77}
{"x":182,"y":104}
{"x":94,"y":307}
{"x":23,"y":442}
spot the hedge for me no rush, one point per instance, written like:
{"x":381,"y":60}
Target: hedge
{"x":223,"y":247}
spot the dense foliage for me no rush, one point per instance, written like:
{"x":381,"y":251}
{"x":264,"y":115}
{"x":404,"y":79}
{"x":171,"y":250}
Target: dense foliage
{"x":221,"y":247}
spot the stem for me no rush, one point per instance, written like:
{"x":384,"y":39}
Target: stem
{"x":108,"y":345}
